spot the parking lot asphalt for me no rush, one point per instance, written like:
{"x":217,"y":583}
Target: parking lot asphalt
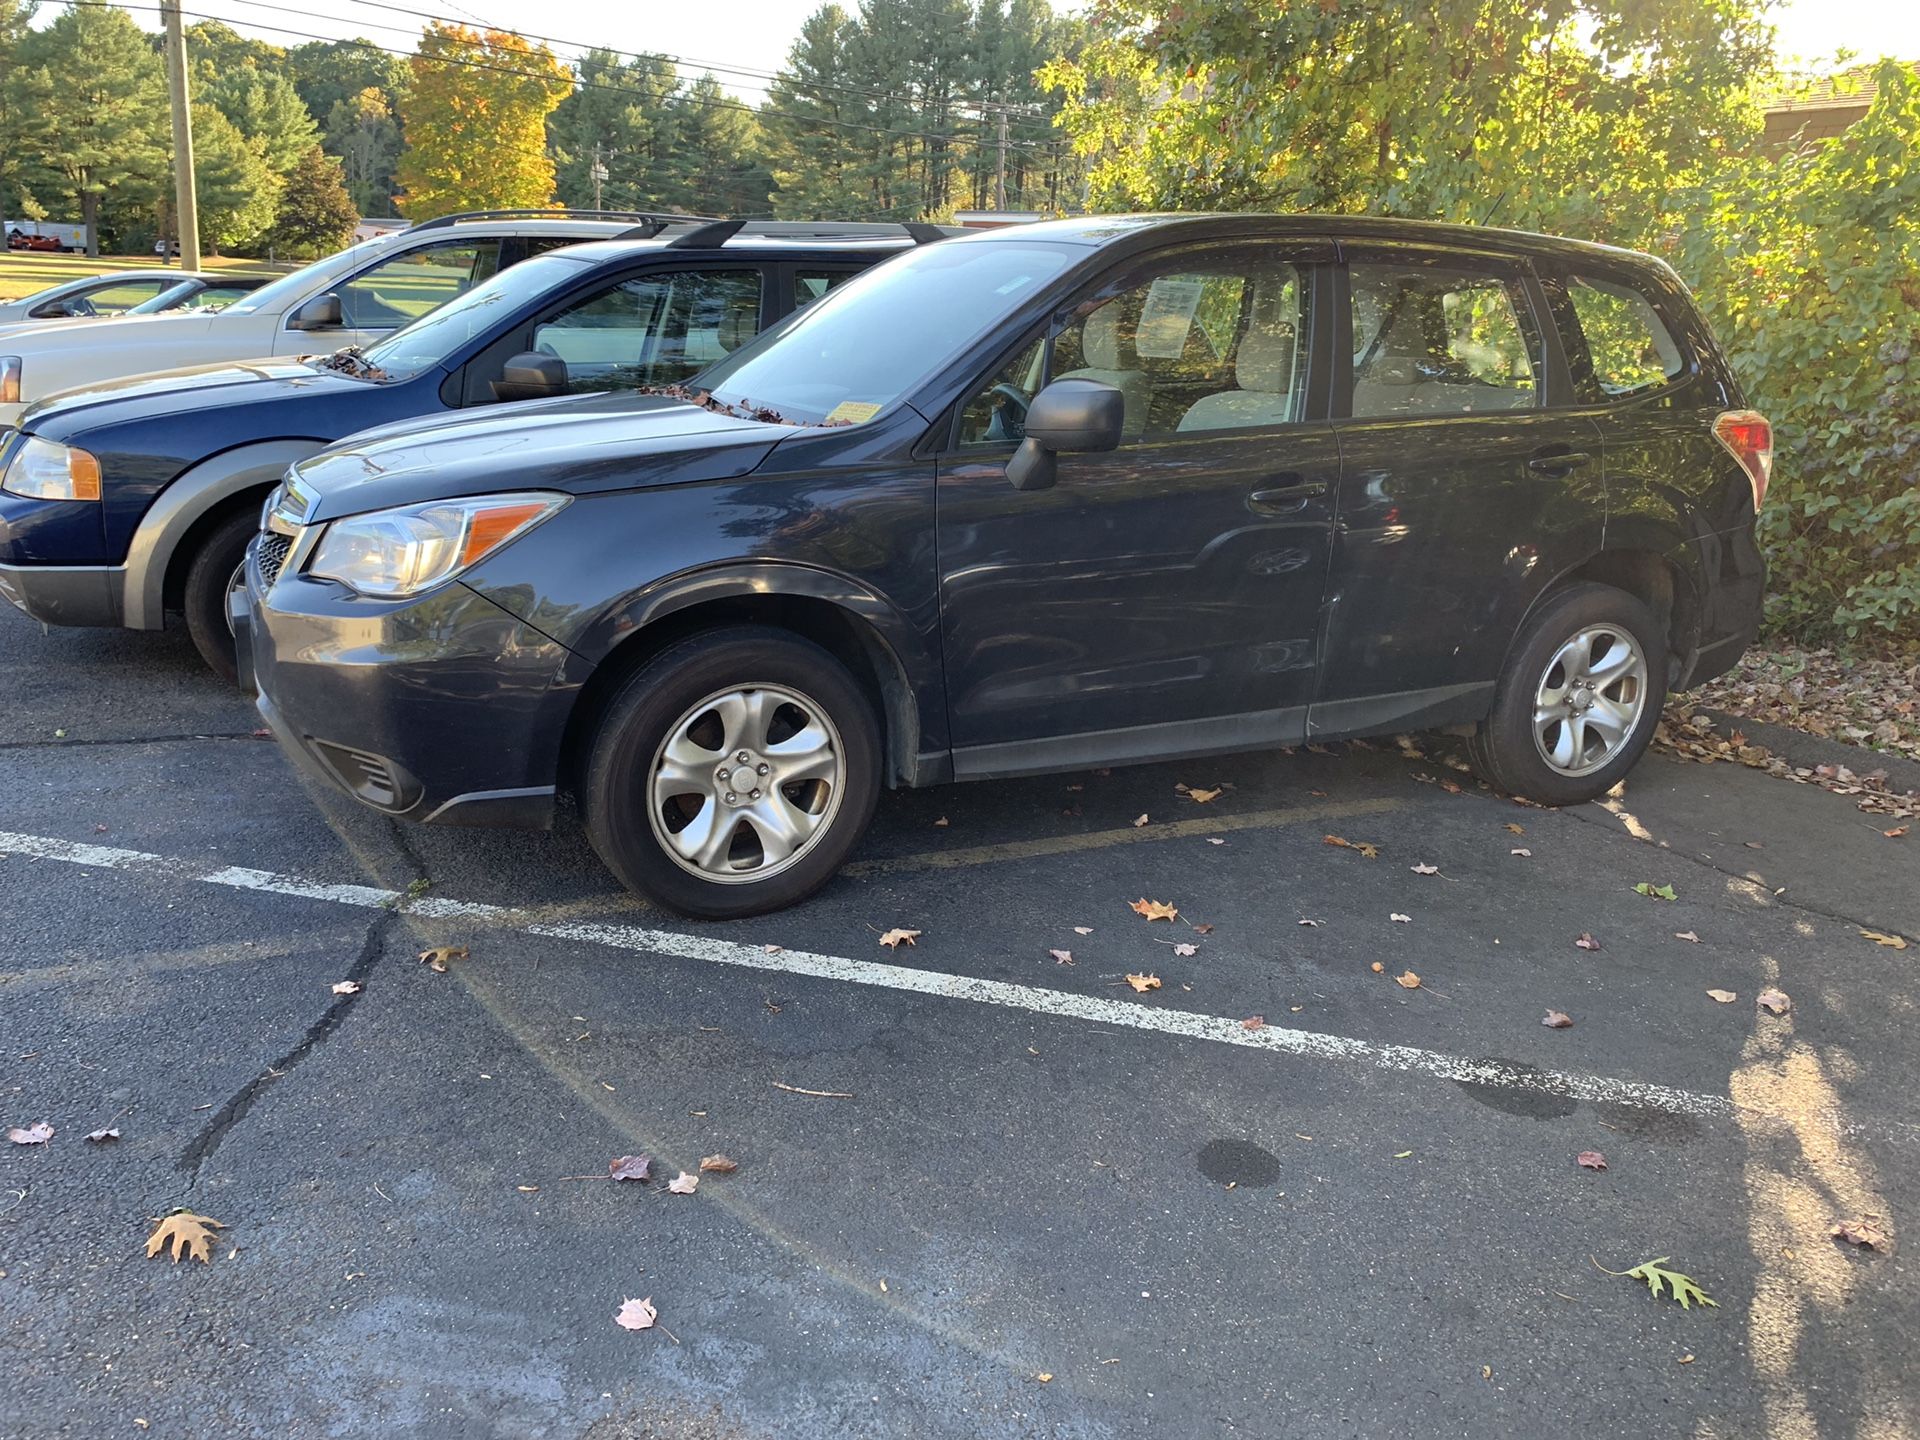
{"x":981,"y":1191}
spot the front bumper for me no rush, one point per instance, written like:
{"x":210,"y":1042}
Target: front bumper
{"x":67,"y":594}
{"x":445,"y":709}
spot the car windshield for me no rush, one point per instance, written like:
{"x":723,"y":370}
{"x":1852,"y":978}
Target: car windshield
{"x":289,"y":288}
{"x":876,"y":338}
{"x":43,"y":294}
{"x":435,"y":336}
{"x":167,"y":298}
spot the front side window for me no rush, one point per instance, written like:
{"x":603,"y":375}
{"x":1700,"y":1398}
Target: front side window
{"x":1623,"y":347}
{"x":656,"y":329}
{"x":1432,"y":341}
{"x":114,"y":299}
{"x":997,"y":413}
{"x":436,"y":338}
{"x":402,"y":289}
{"x":810,"y":285}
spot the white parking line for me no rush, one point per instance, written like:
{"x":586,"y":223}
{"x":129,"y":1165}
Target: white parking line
{"x":1059,"y":1004}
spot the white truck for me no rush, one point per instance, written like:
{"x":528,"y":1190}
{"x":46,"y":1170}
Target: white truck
{"x":347,"y":299}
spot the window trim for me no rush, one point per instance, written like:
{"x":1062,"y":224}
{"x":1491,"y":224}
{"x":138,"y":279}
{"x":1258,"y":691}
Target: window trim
{"x":1557,"y":295}
{"x":1516,"y":270}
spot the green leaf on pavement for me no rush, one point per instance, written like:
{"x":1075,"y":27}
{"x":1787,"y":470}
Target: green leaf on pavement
{"x":1656,"y":892}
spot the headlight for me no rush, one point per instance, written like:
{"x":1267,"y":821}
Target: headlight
{"x":9,"y":379}
{"x":394,"y":553}
{"x":48,"y":471}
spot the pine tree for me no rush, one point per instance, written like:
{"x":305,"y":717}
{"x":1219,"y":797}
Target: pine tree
{"x":235,"y":188}
{"x":362,"y":135}
{"x":717,"y":164}
{"x":316,"y":215}
{"x":805,"y":124}
{"x":264,"y":107}
{"x":15,"y":17}
{"x":620,"y":111}
{"x":475,"y":122}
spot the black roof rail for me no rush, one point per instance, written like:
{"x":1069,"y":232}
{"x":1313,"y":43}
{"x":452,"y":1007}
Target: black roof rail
{"x":714,"y":233}
{"x":658,"y":219}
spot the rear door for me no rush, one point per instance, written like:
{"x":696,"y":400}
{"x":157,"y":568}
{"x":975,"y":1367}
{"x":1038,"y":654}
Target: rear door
{"x":1164,"y":597}
{"x":1456,"y":477}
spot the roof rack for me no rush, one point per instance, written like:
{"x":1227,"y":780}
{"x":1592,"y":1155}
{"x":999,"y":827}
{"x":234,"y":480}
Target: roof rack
{"x":713,"y":233}
{"x":656,"y":219}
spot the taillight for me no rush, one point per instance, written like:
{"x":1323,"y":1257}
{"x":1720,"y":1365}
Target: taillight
{"x":1748,"y":436}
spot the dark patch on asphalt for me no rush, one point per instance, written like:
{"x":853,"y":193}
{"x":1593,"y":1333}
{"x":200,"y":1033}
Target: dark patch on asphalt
{"x":1510,"y":1099}
{"x":1239,"y":1163}
{"x":1659,"y":1126}
{"x":235,"y":1110}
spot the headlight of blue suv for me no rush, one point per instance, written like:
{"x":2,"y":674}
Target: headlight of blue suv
{"x":44,"y":470}
{"x":392,"y":554}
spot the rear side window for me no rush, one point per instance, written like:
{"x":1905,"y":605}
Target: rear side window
{"x":1623,"y":347}
{"x":810,"y":285}
{"x":1433,"y":341}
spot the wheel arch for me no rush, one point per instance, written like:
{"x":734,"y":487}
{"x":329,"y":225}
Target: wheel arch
{"x":860,"y":628}
{"x":1656,"y":578}
{"x":200,"y":497}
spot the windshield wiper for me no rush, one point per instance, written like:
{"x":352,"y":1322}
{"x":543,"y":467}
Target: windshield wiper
{"x":350,"y":361}
{"x":765,"y":414}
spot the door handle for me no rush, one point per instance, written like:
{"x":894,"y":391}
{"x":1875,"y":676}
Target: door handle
{"x":1293,"y":495}
{"x":1557,"y":462}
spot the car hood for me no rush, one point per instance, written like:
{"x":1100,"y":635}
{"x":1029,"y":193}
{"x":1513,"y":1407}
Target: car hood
{"x":170,"y":392}
{"x":577,"y":445}
{"x":47,"y":335}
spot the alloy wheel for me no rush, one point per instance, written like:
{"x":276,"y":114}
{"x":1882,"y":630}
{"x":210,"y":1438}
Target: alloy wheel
{"x":1589,"y":699}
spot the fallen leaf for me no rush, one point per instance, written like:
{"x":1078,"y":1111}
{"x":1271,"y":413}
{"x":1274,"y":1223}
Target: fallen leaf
{"x":1377,"y":968}
{"x":1142,"y":820}
{"x":636,"y":1314}
{"x":437,"y":958}
{"x":37,"y":1133}
{"x":1655,"y":892}
{"x":718,"y":1164}
{"x":100,"y":1137}
{"x":1184,"y":949}
{"x":1686,"y":935}
{"x":1516,"y":829}
{"x":630,"y":1167}
{"x":1557,"y":1020}
{"x":1775,"y":1001}
{"x":1397,"y":918}
{"x":1684,"y":1360}
{"x":1044,"y":1376}
{"x":893,"y":938}
{"x":1591,"y":1160}
{"x":1153,"y":909}
{"x":1520,"y":851}
{"x":1205,"y":927}
{"x":1314,"y":923}
{"x":684,"y":1184}
{"x":773,"y":949}
{"x":1215,"y":840}
{"x":1867,"y":1231}
{"x":1684,"y":1290}
{"x":1895,"y":833}
{"x":1424,"y":869}
{"x":1064,"y":957}
{"x":1587,"y":942}
{"x":1254,"y":1022}
{"x":1486,"y":1372}
{"x":346,"y":987}
{"x":1372,"y":852}
{"x":1725,"y":997}
{"x":1895,"y":942}
{"x":1144,"y":983}
{"x":1408,"y":981}
{"x":1202,"y":797}
{"x":186,"y":1233}
{"x":942,"y":823}
{"x":1083,"y":929}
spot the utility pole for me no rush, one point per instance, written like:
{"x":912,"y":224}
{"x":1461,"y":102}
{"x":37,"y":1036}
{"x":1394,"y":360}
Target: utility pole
{"x":1000,"y":167}
{"x":599,"y":174}
{"x":186,"y":204}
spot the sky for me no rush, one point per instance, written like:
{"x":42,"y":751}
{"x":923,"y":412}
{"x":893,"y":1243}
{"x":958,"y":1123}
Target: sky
{"x":755,"y":35}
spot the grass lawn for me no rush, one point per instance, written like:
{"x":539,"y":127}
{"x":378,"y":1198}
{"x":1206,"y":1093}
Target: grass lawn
{"x":23,"y":272}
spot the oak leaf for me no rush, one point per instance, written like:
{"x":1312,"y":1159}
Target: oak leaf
{"x":1154,"y":909}
{"x":1254,"y":1022}
{"x":1184,"y":949}
{"x":893,"y":938}
{"x":1557,"y":1020}
{"x":1894,"y":942}
{"x":186,"y":1234}
{"x":636,"y":1314}
{"x":346,"y":987}
{"x":1655,"y":892}
{"x":438,"y":958}
{"x":1682,"y":1286}
{"x":1144,"y":983}
{"x":100,"y":1137}
{"x":1516,"y":829}
{"x":718,"y":1164}
{"x":1868,"y":1231}
{"x":630,"y":1167}
{"x":1775,"y":1002}
{"x":1063,"y":957}
{"x":684,"y":1184}
{"x":1408,"y":981}
{"x":1424,"y":869}
{"x":37,"y":1133}
{"x":1586,"y":942}
{"x":1591,"y":1160}
{"x":1371,"y":851}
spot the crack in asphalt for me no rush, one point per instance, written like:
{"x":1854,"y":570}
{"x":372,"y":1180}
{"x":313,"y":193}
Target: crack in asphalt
{"x":237,"y":1106}
{"x":66,"y":744}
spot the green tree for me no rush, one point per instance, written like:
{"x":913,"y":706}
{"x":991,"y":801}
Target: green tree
{"x":215,"y":50}
{"x":808,"y":106}
{"x":362,"y":135}
{"x":475,"y":122}
{"x":316,"y":215}
{"x":620,"y":111}
{"x":235,"y":188}
{"x":326,"y":72}
{"x":15,"y":19}
{"x":717,"y":165}
{"x":90,"y":108}
{"x":264,"y":107}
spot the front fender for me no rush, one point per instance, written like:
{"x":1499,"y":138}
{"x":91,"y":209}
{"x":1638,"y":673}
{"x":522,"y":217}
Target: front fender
{"x":183,"y":502}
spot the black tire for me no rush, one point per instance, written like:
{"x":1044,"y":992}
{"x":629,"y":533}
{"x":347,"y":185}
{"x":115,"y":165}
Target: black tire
{"x":1504,"y":748}
{"x":204,"y":595}
{"x":615,"y":792}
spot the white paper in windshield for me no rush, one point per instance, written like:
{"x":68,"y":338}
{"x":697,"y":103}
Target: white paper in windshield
{"x":1167,"y":317}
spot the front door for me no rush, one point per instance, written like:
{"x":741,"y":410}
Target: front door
{"x":1162,"y":598}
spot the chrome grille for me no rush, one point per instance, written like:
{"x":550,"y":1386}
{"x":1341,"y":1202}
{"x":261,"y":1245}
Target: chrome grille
{"x":272,"y":554}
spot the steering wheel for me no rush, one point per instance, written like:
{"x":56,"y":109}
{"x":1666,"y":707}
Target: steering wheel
{"x":1011,"y":415}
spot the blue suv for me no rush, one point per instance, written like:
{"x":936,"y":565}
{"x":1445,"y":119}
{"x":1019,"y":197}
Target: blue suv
{"x":136,"y":497}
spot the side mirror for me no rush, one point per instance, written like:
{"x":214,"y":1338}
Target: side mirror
{"x":320,"y":313}
{"x":1067,"y":416}
{"x":531,"y":376}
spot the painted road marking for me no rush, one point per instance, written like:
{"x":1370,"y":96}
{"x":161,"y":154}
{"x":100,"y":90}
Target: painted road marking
{"x":1103,"y":839}
{"x":1059,"y":1004}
